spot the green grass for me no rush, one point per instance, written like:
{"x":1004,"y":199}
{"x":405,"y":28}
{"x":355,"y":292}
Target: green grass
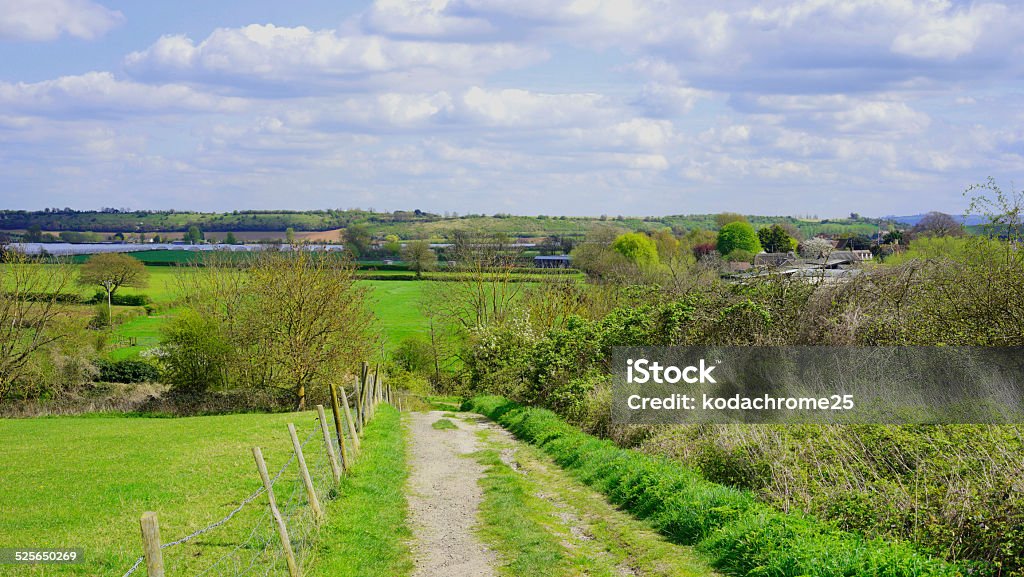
{"x":740,"y":535}
{"x":84,"y":482}
{"x":397,"y":307}
{"x":366,"y":534}
{"x":542,"y":522}
{"x":444,"y":425}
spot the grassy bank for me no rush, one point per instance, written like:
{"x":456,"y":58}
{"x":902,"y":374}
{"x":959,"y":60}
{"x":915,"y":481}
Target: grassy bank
{"x":739,"y":535}
{"x":366,"y":535}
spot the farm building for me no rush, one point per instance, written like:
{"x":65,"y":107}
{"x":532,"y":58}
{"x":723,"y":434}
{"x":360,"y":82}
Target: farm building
{"x":553,"y":261}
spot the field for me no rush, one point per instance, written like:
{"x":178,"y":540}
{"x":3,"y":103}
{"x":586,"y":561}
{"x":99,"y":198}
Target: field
{"x":88,"y":489}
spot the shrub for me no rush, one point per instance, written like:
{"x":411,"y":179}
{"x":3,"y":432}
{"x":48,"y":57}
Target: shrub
{"x":414,"y":355}
{"x":127,"y":371}
{"x":638,"y":248}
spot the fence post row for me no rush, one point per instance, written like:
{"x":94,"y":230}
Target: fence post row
{"x":282,"y":530}
{"x":369,"y":393}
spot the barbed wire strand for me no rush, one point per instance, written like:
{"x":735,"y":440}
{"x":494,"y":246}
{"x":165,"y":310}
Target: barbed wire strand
{"x":229,"y":516}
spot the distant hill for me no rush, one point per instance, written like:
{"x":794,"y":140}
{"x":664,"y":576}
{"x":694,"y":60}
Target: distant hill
{"x":326,"y":224}
{"x":971,"y":220}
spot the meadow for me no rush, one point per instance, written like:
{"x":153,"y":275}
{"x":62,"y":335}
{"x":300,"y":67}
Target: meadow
{"x":88,"y":489}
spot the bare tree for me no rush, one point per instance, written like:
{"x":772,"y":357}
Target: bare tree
{"x":485,"y":288}
{"x":937,"y":224}
{"x":29,"y":312}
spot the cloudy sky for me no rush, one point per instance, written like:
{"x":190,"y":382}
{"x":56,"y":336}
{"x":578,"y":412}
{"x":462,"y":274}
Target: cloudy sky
{"x":525,"y":106}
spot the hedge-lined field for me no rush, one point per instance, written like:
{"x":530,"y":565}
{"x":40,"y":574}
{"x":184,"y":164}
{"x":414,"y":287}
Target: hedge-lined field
{"x":740,"y":535}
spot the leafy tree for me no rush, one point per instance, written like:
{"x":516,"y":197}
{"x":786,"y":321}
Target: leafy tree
{"x":392,"y":244}
{"x":194,"y":235}
{"x":774,"y":238}
{"x":357,"y":239}
{"x":666,"y":243}
{"x":230,"y":238}
{"x":419,"y":256}
{"x":638,"y":248}
{"x":738,"y":235}
{"x":289,"y":235}
{"x":937,"y":224}
{"x":112,"y":271}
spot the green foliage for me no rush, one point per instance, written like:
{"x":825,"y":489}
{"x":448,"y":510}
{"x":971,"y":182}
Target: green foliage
{"x":738,"y":235}
{"x":125,"y":300}
{"x":638,"y":248}
{"x":740,"y":255}
{"x":195,"y":353}
{"x":127,"y":371}
{"x":414,"y":354}
{"x":774,"y":238}
{"x":741,"y":536}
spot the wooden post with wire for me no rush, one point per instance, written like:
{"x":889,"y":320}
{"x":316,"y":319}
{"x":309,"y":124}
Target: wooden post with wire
{"x":314,"y":502}
{"x":351,"y":422}
{"x":331,"y":457}
{"x":336,"y":409}
{"x":151,"y":544}
{"x":282,"y":530}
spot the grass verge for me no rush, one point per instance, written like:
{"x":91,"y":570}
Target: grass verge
{"x":366,"y":534}
{"x":739,"y":535}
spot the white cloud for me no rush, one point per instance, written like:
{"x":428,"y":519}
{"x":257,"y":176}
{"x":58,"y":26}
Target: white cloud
{"x":301,"y":56}
{"x":39,"y":20}
{"x":103,"y":94}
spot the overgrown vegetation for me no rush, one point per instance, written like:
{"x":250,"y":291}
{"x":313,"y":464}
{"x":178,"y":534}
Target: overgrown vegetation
{"x":740,"y":535}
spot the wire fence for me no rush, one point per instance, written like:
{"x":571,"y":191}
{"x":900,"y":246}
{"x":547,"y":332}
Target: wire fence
{"x":246,"y":542}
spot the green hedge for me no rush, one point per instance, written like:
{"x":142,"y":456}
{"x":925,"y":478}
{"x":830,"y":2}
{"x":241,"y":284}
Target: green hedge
{"x":740,"y":535}
{"x":125,"y":300}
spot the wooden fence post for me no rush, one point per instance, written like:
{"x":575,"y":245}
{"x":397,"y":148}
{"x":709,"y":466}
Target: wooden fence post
{"x":335,"y":470}
{"x":151,"y":545}
{"x":357,"y":403}
{"x":282,"y":531}
{"x":314,"y":502}
{"x":351,"y":423}
{"x":336,"y":409}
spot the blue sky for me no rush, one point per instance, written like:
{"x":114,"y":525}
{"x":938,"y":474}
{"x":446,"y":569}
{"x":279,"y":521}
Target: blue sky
{"x":802,"y":107}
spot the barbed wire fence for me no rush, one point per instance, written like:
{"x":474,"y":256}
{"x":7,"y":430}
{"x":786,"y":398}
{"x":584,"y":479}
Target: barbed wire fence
{"x":273,"y":530}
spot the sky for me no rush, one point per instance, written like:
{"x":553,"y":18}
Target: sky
{"x":584,"y":107}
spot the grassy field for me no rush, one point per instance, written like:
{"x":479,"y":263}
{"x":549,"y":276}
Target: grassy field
{"x":84,"y":482}
{"x":397,"y":307}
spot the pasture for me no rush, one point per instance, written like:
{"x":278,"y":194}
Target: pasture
{"x":84,"y":481}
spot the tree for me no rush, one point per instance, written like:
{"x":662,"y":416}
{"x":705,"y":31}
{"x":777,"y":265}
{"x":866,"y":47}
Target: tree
{"x":289,"y":236}
{"x":30,"y":313}
{"x":230,"y":238}
{"x":112,"y":270}
{"x":638,"y":248}
{"x":816,"y":248}
{"x":194,"y":235}
{"x":392,"y":245}
{"x":937,"y":224}
{"x":357,"y":239}
{"x":419,"y":256}
{"x":286,"y":321}
{"x":666,"y":243}
{"x":728,"y":217}
{"x":738,"y":235}
{"x":774,"y":238}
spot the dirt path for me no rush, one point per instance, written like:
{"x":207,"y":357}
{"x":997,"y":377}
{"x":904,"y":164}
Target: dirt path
{"x":444,"y":497}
